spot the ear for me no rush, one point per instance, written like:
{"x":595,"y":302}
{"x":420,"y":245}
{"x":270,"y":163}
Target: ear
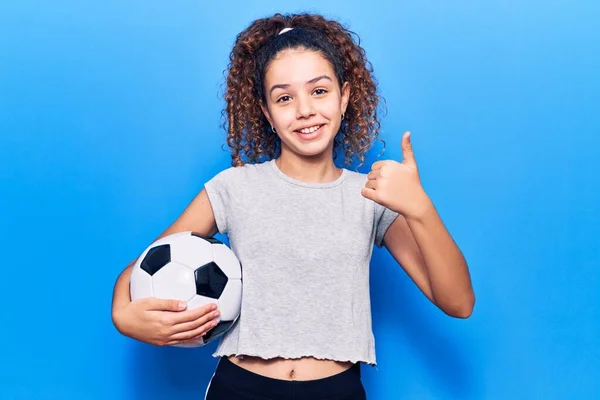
{"x":345,"y":96}
{"x":265,"y":111}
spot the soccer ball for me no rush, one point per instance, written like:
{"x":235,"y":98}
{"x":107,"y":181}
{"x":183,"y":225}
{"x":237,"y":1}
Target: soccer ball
{"x":199,"y":270}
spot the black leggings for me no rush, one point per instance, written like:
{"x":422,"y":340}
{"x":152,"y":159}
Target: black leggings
{"x":232,"y":382}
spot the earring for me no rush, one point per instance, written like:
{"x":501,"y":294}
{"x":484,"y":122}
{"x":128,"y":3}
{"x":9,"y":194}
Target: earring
{"x":343,"y":116}
{"x":273,"y":129}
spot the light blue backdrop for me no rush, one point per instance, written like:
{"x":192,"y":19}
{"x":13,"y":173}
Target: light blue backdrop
{"x":109,"y":114}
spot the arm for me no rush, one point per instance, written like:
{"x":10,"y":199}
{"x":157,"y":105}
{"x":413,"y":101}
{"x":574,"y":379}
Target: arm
{"x":121,"y":296}
{"x":197,"y":217}
{"x":417,"y":239}
{"x":426,"y":251}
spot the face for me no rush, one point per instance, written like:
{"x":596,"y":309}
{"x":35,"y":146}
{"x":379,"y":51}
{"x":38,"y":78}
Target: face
{"x":304,"y":102}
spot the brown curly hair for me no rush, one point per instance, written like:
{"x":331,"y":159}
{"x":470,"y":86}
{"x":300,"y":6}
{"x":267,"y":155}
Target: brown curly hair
{"x":248,"y":132}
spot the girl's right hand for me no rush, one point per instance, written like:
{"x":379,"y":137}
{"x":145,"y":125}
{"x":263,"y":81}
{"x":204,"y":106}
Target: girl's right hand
{"x":164,"y":322}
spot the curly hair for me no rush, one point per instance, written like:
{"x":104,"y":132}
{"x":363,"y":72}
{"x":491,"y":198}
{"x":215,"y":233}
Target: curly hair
{"x":248,"y":131}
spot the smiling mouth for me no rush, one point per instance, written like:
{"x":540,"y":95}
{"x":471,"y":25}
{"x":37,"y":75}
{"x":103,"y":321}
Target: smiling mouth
{"x":310,"y":130}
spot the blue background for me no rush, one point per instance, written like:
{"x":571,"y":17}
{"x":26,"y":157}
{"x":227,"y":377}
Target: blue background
{"x":109,"y":125}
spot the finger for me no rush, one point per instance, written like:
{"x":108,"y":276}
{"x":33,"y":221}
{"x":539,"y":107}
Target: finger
{"x":374,"y":174}
{"x":371,"y":184}
{"x":408,"y":156}
{"x":191,"y":325}
{"x":210,"y":327}
{"x":370,"y":194}
{"x":379,"y":164}
{"x":193,"y":314}
{"x":199,"y":331}
{"x":156,"y":304}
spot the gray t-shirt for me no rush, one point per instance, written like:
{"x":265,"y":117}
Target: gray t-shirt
{"x":305,"y":250}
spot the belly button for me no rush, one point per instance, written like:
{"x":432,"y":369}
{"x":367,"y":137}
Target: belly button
{"x":292,"y":374}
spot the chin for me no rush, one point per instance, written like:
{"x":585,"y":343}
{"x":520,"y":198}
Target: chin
{"x":312,"y":149}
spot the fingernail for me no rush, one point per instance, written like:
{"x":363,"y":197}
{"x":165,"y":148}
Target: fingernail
{"x":213,"y":307}
{"x":182,"y":305}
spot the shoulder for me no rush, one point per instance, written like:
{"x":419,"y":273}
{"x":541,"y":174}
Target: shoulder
{"x":247,"y":173}
{"x":355,"y":178}
{"x":353,"y":185}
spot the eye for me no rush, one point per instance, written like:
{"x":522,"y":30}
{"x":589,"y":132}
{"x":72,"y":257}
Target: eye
{"x":320,"y":91}
{"x":283,"y":99}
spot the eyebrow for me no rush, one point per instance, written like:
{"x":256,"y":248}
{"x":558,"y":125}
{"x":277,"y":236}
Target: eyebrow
{"x":285,"y":85}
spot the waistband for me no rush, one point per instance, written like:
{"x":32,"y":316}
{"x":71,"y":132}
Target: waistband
{"x":347,"y":381}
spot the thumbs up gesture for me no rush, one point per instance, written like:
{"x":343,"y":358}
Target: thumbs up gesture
{"x":396,"y":185}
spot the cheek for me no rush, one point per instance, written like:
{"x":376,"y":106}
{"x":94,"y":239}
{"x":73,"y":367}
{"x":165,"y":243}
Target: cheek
{"x":334,"y":115}
{"x":331,"y":109}
{"x":283,"y":117}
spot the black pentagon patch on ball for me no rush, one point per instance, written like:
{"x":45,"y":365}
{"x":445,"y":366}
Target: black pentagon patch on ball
{"x":156,"y":258}
{"x":210,"y":280}
{"x":216,"y":331}
{"x":211,"y":240}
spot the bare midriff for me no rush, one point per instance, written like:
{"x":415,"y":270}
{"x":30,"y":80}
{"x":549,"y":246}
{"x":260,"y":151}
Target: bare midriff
{"x":298,"y":369}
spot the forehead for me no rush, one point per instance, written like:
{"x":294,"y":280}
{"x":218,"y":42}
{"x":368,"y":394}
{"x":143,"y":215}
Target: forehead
{"x":297,"y":66}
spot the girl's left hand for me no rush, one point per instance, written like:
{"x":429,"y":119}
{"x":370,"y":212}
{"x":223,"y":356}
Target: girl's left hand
{"x":397,"y":186}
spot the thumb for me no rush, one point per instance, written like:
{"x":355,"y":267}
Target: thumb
{"x":369,"y":193}
{"x":408,"y":156}
{"x":166,"y":305}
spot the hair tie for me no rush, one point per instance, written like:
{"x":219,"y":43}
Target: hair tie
{"x":284,"y":30}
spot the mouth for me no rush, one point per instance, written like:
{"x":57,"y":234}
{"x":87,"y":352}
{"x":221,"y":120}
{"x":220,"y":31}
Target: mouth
{"x":310,"y":133}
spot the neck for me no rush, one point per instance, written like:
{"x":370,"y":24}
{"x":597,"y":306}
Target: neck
{"x":317,"y":169}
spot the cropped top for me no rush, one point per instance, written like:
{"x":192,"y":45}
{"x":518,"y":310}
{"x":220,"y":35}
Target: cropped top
{"x":305,"y":250}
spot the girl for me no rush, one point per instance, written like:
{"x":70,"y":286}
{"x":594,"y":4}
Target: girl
{"x":299,"y":91}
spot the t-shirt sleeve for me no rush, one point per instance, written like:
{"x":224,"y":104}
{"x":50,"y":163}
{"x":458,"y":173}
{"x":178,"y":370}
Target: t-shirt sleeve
{"x":219,"y":191}
{"x":383,"y":219}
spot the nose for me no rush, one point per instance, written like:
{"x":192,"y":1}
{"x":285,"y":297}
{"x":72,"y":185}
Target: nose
{"x":305,"y":107}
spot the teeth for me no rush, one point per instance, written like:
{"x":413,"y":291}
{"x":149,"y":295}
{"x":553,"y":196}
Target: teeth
{"x":310,"y":130}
